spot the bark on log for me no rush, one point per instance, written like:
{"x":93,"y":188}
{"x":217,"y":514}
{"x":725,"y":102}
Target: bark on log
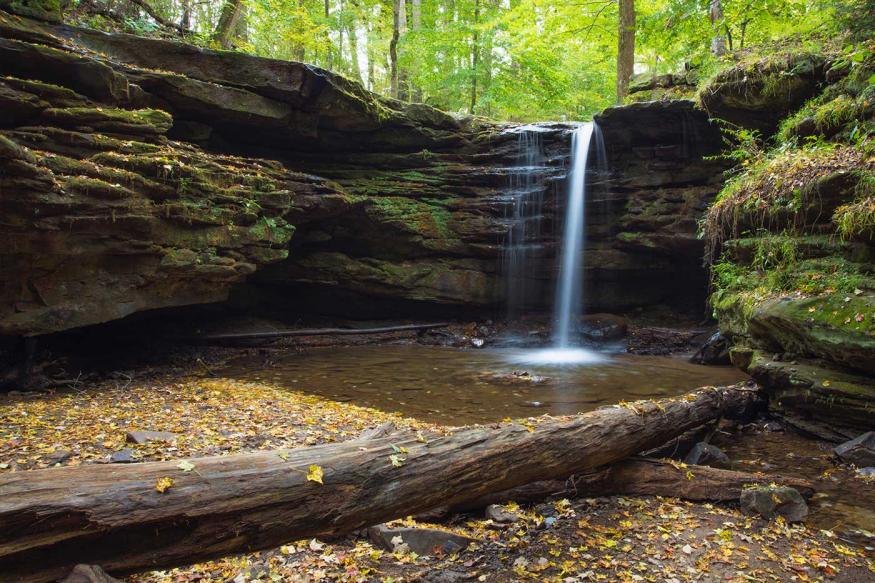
{"x":112,"y":515}
{"x":643,"y":477}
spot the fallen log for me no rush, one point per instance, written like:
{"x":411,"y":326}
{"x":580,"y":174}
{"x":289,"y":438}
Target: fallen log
{"x":314,"y":332}
{"x":117,"y":517}
{"x":642,"y":477}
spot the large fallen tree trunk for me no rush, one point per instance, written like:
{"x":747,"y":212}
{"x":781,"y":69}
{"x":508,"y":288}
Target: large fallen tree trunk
{"x":114,"y":516}
{"x":642,"y":477}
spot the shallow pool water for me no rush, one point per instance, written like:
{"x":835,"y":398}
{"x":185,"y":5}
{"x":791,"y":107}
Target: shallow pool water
{"x":456,"y":387}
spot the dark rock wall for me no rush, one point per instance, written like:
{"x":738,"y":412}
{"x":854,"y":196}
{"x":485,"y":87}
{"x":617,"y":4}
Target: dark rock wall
{"x":140,"y":174}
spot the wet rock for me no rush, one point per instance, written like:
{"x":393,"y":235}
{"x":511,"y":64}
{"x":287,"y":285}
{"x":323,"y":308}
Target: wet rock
{"x":89,"y":574}
{"x":603,"y":327}
{"x":140,"y":437}
{"x":422,"y":541}
{"x":715,"y":351}
{"x":500,"y":515}
{"x":516,"y":377}
{"x":124,"y":456}
{"x":705,"y":454}
{"x":773,"y":501}
{"x":859,"y":451}
{"x":773,"y":427}
{"x":867,"y":472}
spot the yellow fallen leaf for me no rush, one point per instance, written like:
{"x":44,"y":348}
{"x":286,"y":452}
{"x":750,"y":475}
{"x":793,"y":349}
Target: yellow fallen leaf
{"x":163,"y":484}
{"x":315,"y":474}
{"x":185,"y":466}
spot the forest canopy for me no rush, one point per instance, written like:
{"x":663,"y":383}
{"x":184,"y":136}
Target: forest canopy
{"x":505,"y":59}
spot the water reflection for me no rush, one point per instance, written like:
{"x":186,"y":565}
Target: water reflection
{"x":457,"y":387}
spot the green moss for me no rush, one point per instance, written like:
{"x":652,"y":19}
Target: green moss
{"x":151,"y":121}
{"x":764,"y":78}
{"x":50,"y":10}
{"x":785,"y":191}
{"x":95,"y":187}
{"x":857,"y":220}
{"x":425,"y":219}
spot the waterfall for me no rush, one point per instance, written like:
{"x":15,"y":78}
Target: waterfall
{"x":524,"y":214}
{"x":569,"y":286}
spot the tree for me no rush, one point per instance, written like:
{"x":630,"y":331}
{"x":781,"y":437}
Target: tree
{"x":625,"y":47}
{"x":228,"y":28}
{"x":397,"y":20}
{"x":718,"y":42}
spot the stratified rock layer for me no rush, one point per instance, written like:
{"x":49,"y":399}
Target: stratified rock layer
{"x":141,"y":173}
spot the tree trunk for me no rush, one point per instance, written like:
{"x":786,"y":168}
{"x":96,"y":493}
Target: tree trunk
{"x":475,"y":57}
{"x":625,"y":48}
{"x":185,"y":22}
{"x":114,"y":516}
{"x":393,"y":47}
{"x":642,"y":477}
{"x":299,"y":52}
{"x":354,"y":52}
{"x":718,"y":42}
{"x":416,"y":21}
{"x":227,"y":27}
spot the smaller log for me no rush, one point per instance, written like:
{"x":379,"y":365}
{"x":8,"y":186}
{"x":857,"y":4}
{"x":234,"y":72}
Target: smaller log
{"x":316,"y":332}
{"x":642,"y":477}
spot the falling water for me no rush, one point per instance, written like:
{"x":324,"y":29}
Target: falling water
{"x":526,"y":197}
{"x":569,"y":287}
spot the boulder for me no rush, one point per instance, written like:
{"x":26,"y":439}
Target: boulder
{"x":715,"y":351}
{"x":603,"y":327}
{"x":773,"y":501}
{"x":705,"y":454}
{"x":500,"y":515}
{"x":824,"y":327}
{"x":422,"y":541}
{"x":859,"y":451}
{"x":140,"y":437}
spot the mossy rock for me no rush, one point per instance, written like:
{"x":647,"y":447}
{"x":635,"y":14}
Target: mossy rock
{"x":112,"y":120}
{"x":758,"y":93}
{"x":48,"y":10}
{"x":838,"y":328}
{"x":830,"y":403}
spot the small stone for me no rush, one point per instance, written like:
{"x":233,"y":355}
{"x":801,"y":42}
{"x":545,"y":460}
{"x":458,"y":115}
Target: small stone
{"x":140,"y":437}
{"x":772,"y":501}
{"x":89,"y":574}
{"x":867,"y":472}
{"x":422,"y":541}
{"x":773,"y":427}
{"x":59,"y":456}
{"x":705,"y":454}
{"x":859,"y":451}
{"x":550,"y":521}
{"x":123,"y":456}
{"x":477,"y":342}
{"x":499,"y":515}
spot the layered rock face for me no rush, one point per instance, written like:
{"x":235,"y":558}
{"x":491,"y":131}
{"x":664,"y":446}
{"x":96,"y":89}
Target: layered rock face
{"x":793,"y":243}
{"x":140,"y":173}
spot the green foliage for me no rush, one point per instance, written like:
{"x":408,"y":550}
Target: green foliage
{"x":518,"y":60}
